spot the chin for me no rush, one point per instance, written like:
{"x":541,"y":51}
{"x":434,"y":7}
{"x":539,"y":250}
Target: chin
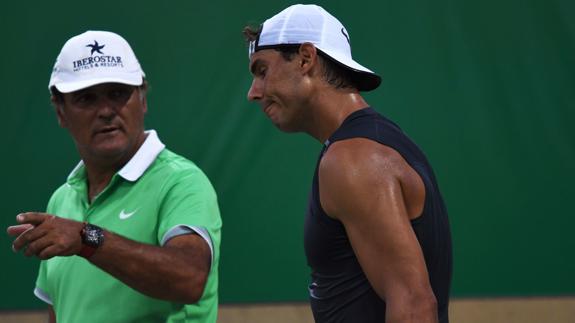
{"x":287,"y":128}
{"x":111,"y":150}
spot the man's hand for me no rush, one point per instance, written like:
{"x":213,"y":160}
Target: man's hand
{"x":46,"y":236}
{"x":16,"y":230}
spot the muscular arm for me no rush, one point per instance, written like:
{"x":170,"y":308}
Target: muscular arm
{"x":175,"y":272}
{"x":374,"y":193}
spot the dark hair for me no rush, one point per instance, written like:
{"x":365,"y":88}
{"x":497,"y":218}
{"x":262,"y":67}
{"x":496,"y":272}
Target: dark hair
{"x":334,"y":73}
{"x":59,"y":96}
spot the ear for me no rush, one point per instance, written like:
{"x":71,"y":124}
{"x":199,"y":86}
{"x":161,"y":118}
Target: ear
{"x":307,"y":56}
{"x":59,"y":108}
{"x":144,"y":99}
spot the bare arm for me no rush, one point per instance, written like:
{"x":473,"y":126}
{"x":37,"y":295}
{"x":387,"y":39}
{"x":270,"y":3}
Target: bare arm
{"x":175,"y":272}
{"x":365,"y":185}
{"x":51,"y":314}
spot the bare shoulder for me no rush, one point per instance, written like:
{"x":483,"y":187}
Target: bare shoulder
{"x":360,"y":154}
{"x":356,"y":169}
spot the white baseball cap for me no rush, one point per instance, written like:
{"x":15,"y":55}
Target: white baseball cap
{"x":95,"y":57}
{"x":300,"y":24}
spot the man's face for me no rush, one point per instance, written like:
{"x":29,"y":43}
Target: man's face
{"x":105,"y":120}
{"x":278,"y":86}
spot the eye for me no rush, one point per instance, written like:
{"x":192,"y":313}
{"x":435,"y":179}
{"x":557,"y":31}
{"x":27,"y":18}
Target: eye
{"x":120,"y":93}
{"x":85,"y":99}
{"x":261,"y":71}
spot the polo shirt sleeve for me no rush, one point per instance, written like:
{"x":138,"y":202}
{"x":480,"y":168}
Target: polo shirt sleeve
{"x":190,"y":203}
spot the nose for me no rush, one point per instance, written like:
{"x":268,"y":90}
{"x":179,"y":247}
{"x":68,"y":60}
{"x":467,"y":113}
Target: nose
{"x":106,"y":108}
{"x":255,"y":91}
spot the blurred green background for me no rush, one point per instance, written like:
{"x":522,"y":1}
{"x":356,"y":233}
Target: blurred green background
{"x":486,"y":88}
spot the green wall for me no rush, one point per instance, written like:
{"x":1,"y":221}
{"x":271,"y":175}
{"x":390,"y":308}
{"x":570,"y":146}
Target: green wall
{"x":487,"y":89}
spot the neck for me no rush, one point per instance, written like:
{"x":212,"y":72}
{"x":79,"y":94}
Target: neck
{"x":329,"y":110}
{"x":98,"y":179}
{"x":101,"y":169}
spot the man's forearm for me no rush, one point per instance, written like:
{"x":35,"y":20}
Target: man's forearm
{"x":175,"y":272}
{"x":413,"y":309}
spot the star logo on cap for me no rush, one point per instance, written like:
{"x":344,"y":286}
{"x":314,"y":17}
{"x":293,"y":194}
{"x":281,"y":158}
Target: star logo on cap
{"x":95,"y":47}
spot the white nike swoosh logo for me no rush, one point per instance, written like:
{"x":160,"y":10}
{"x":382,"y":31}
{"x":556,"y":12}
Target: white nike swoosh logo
{"x":123,"y":215}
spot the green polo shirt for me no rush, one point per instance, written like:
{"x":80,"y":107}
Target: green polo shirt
{"x":157,"y":195}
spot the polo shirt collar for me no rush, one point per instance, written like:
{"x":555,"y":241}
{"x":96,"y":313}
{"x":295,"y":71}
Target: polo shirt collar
{"x":139,"y":163}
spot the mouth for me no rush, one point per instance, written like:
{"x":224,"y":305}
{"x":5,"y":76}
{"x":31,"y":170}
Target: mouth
{"x":267,"y":108}
{"x":106,"y":130}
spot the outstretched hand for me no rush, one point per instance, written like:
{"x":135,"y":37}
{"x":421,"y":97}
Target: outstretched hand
{"x":45,"y":235}
{"x":16,"y":230}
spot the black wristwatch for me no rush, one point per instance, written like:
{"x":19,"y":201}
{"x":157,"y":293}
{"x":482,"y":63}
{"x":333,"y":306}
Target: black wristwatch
{"x":92,"y":238}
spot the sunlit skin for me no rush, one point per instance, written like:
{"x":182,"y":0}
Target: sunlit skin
{"x":294,"y":95}
{"x":367,"y":186}
{"x":277,"y":86}
{"x":106,"y":122}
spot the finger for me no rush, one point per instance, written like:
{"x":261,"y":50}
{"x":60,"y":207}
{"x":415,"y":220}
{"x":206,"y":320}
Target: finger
{"x":16,"y":230}
{"x":34,"y":218}
{"x":48,"y":252}
{"x":36,"y":233}
{"x":37,"y":246}
{"x":26,"y":238}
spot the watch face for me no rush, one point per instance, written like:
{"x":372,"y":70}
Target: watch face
{"x":93,"y":235}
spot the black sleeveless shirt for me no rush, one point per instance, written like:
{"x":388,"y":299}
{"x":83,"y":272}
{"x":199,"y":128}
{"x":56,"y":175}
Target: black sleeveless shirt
{"x":339,"y":290}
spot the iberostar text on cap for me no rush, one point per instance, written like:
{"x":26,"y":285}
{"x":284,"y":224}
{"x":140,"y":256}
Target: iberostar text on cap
{"x":92,"y":58}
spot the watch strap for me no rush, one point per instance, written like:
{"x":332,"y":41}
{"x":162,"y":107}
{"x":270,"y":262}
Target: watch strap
{"x":87,"y":251}
{"x":92,"y":237}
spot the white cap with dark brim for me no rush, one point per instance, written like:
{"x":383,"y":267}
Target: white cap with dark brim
{"x":300,"y":24}
{"x":92,"y":58}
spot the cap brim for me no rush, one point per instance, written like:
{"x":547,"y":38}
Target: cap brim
{"x":67,"y":87}
{"x":365,"y":79}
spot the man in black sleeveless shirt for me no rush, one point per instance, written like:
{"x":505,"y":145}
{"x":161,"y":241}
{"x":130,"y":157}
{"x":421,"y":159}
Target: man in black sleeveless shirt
{"x":377,"y":235}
